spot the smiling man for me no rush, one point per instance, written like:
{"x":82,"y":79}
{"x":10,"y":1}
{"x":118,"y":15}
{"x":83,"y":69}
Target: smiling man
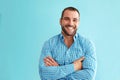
{"x":68,"y":55}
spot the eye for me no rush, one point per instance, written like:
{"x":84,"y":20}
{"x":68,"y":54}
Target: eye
{"x":66,"y":19}
{"x":75,"y":20}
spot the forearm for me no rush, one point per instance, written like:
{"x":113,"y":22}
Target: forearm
{"x":88,"y":71}
{"x":82,"y":75}
{"x":55,"y":72}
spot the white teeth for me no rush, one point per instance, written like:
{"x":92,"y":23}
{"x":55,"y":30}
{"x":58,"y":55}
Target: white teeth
{"x":70,"y":28}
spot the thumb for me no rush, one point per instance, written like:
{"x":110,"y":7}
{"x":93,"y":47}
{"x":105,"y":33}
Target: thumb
{"x":82,"y":58}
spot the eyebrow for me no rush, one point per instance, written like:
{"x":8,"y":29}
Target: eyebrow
{"x":69,"y":18}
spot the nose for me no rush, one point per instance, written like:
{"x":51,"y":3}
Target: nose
{"x":71,"y":22}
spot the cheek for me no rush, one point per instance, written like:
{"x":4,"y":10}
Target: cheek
{"x":64,"y":23}
{"x":77,"y":24}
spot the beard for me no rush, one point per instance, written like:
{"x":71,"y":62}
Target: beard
{"x":66,"y":32}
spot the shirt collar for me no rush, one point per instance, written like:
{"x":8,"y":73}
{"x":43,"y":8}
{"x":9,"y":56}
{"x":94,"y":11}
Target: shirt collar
{"x":62,"y":37}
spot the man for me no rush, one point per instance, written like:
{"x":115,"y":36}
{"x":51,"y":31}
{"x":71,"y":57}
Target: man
{"x":68,"y":55}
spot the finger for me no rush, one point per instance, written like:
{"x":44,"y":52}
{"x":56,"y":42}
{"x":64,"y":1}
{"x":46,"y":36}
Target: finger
{"x":82,"y":58}
{"x":50,"y":58}
{"x":48,"y":61}
{"x":53,"y":61}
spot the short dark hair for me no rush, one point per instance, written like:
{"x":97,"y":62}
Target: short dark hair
{"x":71,"y":9}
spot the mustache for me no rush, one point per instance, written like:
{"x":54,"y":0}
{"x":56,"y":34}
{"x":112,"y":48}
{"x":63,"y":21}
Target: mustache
{"x":69,"y":26}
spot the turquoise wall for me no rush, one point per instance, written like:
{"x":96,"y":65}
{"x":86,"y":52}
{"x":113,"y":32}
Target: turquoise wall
{"x":26,"y":24}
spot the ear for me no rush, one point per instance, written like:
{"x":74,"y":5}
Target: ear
{"x":60,"y":21}
{"x":79,"y":22}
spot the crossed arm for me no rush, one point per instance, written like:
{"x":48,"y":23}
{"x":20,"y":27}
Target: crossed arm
{"x":81,"y":69}
{"x":49,"y":61}
{"x":50,"y":69}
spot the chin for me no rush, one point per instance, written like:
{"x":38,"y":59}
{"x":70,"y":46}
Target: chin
{"x":71,"y":34}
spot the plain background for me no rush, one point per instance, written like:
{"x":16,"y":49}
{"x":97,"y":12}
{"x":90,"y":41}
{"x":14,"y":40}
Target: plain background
{"x":26,"y":24}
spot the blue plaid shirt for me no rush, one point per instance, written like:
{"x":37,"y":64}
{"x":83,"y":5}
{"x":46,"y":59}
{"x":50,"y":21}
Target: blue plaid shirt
{"x":64,"y":56}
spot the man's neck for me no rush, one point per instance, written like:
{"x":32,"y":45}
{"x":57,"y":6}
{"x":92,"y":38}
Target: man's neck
{"x":68,"y":40}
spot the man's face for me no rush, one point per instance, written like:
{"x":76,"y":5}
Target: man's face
{"x":69,"y":22}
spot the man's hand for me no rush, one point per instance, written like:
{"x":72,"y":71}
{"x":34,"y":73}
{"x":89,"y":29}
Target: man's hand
{"x":78,"y":63}
{"x":49,"y":61}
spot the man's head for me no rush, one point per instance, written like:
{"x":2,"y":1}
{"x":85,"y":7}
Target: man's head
{"x":69,"y":21}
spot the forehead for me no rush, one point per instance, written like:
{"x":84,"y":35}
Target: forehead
{"x":71,"y":14}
